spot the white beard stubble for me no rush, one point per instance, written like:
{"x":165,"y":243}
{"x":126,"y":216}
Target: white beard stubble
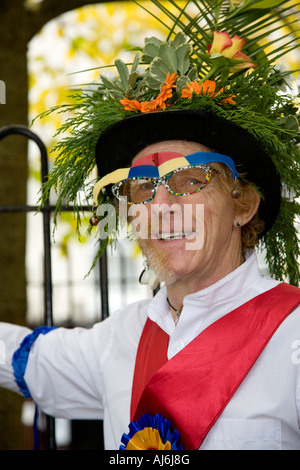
{"x":158,"y":262}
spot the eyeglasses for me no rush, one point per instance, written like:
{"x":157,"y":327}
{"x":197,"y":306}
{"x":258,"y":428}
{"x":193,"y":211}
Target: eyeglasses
{"x":180,"y":182}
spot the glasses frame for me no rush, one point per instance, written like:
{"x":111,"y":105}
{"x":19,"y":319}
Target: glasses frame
{"x":164,"y":180}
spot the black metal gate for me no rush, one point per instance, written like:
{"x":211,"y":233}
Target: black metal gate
{"x":46,"y":212}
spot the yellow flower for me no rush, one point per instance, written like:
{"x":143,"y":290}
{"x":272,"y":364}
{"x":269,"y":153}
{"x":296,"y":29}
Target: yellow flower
{"x":230,"y":48}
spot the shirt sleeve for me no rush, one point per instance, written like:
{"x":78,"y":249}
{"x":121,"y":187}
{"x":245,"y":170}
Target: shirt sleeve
{"x":63,"y":372}
{"x":11,"y":336}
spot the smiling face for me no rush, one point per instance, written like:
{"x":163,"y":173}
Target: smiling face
{"x":193,"y":238}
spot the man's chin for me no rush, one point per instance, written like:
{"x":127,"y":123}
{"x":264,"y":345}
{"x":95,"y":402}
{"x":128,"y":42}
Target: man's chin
{"x":158,"y":262}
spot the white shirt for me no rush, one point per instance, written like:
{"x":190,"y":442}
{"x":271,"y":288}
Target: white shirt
{"x":87,"y":374}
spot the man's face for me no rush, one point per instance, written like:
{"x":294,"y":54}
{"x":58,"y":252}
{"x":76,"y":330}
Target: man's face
{"x":187,"y":236}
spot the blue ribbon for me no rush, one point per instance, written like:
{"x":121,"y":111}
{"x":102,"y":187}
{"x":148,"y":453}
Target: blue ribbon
{"x":20,"y":357}
{"x":19,"y":363}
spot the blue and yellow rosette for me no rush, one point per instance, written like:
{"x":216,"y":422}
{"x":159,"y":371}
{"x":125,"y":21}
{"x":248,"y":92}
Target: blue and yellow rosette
{"x":151,"y":433}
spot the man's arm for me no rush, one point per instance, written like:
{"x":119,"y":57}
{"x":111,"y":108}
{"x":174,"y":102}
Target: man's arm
{"x":59,"y":369}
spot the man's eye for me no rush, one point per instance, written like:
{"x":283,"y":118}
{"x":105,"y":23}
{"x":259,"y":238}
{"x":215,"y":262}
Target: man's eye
{"x":193,"y":181}
{"x":147,"y":186}
{"x":142,"y":185}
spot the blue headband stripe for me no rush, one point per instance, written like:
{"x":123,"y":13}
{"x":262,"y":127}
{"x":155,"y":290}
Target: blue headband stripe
{"x":202,"y":158}
{"x":147,"y":171}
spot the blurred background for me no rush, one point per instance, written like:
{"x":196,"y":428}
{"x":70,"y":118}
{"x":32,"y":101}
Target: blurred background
{"x":43,"y":43}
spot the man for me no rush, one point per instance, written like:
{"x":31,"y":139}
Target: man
{"x":211,"y":362}
{"x":96,"y":367}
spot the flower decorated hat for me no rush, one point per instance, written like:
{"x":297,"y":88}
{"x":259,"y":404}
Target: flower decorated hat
{"x":214,"y":80}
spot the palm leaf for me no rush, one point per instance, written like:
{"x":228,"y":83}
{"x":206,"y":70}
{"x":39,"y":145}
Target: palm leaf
{"x":255,"y":21}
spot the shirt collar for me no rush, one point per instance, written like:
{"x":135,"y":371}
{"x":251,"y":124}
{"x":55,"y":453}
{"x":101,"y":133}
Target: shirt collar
{"x":224,"y":291}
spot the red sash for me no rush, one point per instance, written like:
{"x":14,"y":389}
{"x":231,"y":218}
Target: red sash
{"x":192,"y":389}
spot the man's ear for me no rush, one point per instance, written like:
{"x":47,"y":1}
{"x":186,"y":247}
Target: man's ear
{"x":246,"y":205}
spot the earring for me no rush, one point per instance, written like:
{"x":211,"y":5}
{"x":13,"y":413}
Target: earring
{"x":238,"y":224}
{"x":148,"y":276}
{"x":235,"y":193}
{"x":94,"y":221}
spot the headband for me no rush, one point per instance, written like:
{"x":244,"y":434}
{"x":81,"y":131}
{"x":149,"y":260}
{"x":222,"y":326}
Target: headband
{"x":158,"y":164}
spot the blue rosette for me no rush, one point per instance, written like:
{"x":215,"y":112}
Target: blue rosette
{"x":151,"y":433}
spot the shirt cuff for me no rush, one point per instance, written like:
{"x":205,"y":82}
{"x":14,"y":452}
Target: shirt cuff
{"x":20,"y":357}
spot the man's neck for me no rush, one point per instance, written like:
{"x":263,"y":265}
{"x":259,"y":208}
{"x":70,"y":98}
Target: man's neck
{"x":188,"y":285}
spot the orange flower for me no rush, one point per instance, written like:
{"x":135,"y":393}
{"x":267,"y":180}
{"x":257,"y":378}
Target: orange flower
{"x":230,"y":48}
{"x":229,"y":99}
{"x":131,"y":105}
{"x":159,"y":103}
{"x":205,"y":88}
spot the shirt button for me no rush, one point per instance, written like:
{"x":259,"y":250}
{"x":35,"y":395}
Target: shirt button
{"x":180,"y":345}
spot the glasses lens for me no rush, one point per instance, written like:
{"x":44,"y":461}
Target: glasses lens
{"x":188,"y":180}
{"x":136,"y":191}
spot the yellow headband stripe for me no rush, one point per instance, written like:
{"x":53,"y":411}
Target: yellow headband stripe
{"x":111,"y":178}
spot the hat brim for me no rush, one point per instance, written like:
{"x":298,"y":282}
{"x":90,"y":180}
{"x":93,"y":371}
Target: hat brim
{"x":119,"y":143}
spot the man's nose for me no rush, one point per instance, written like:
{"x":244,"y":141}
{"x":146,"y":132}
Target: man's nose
{"x":166,"y":211}
{"x":166,"y":205}
{"x":163,"y":196}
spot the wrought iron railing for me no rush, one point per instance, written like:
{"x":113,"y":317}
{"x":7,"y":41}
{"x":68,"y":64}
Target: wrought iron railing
{"x":46,"y":213}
